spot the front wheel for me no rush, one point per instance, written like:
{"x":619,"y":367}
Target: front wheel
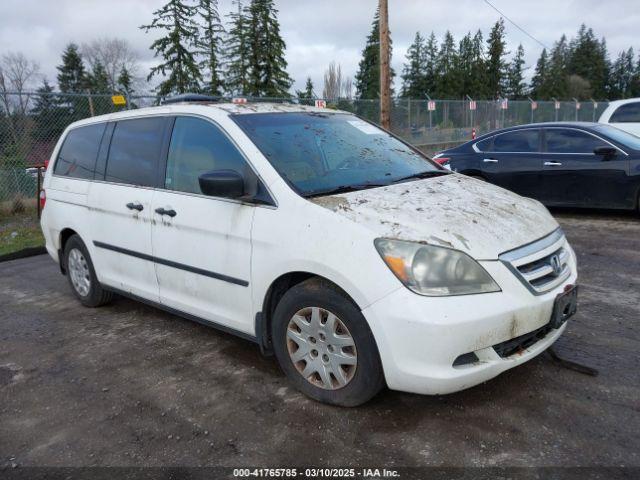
{"x":324,"y":345}
{"x":81,"y":274}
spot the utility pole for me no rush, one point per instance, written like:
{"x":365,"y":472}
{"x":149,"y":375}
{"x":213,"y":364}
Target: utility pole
{"x":385,"y":78}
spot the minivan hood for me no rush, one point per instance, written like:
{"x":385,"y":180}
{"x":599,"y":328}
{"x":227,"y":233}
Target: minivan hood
{"x":452,"y":211}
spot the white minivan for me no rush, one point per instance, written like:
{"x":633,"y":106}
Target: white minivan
{"x":624,"y":114}
{"x":354,"y":258}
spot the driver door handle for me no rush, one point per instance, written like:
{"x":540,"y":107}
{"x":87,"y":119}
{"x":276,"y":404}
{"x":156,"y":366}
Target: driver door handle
{"x":552,"y":164}
{"x":490,"y":160}
{"x":135,"y":206}
{"x":161,"y":211}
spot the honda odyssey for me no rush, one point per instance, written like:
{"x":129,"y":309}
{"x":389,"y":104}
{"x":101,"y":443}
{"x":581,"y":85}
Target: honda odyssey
{"x":322,"y":238}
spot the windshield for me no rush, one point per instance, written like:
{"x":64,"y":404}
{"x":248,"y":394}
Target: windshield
{"x":320,"y":153}
{"x":617,"y":135}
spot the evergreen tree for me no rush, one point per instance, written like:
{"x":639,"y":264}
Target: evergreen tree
{"x":540,"y":77}
{"x":413,"y":72}
{"x":209,"y":46}
{"x":431,"y":68}
{"x":634,"y":88}
{"x":588,"y":58}
{"x":622,"y":75}
{"x":177,"y":48}
{"x":477,"y":84}
{"x":50,"y":116}
{"x":238,"y":52}
{"x":268,"y":68}
{"x":448,"y":83}
{"x":556,"y":85}
{"x":368,"y":75}
{"x":125,"y":82}
{"x":308,"y":90}
{"x":98,"y":80}
{"x":515,"y":78}
{"x":71,"y":73}
{"x":496,"y":65}
{"x":464,"y":68}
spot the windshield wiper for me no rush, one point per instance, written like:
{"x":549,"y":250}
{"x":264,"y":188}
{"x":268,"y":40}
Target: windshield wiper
{"x":344,"y":189}
{"x":427,"y":174}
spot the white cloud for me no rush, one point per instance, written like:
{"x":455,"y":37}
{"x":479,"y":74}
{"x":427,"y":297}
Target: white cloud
{"x":318,"y":32}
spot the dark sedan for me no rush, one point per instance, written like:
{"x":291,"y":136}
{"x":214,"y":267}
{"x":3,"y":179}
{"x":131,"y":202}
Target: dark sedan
{"x":560,"y":164}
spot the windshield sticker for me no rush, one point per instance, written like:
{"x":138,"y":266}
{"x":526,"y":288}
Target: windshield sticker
{"x":365,"y":127}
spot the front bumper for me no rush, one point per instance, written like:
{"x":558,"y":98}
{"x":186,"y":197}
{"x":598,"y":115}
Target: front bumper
{"x":419,"y":338}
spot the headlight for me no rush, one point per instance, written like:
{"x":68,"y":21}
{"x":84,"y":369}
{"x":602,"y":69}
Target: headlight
{"x":434,"y":271}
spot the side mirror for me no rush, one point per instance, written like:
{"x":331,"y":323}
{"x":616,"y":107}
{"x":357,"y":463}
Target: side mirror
{"x":222,"y":183}
{"x":605,"y":151}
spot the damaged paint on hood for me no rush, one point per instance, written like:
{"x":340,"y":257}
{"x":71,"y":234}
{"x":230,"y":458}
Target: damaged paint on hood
{"x":451,"y":211}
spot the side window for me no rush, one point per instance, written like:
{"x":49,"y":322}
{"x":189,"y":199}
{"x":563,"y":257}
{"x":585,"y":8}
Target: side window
{"x":628,"y":113}
{"x":561,"y":140}
{"x":485,"y":145}
{"x":521,"y":141}
{"x":198,"y":146}
{"x":79,"y":152}
{"x":136,"y":148}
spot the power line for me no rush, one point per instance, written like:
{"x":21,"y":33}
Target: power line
{"x":516,"y":25}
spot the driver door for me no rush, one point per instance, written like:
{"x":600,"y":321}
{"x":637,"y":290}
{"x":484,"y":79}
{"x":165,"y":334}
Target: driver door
{"x":202,"y":244}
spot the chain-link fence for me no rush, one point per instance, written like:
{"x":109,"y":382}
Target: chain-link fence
{"x":31,"y":123}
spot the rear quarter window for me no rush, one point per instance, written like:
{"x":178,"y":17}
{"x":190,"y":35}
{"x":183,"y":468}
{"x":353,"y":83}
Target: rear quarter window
{"x":79,"y":152}
{"x":135,"y":151}
{"x":628,"y":113}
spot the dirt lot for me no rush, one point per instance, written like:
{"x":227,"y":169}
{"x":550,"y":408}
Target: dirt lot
{"x":130,"y":385}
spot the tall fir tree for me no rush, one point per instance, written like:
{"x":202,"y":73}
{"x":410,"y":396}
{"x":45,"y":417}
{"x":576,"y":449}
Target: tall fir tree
{"x":556,"y":85}
{"x":496,"y":64}
{"x":448,"y":83}
{"x":464,"y":67}
{"x":178,"y":48}
{"x":307,"y":93}
{"x":478,"y":82}
{"x":237,"y":52}
{"x":125,"y":82}
{"x":622,"y":75}
{"x":98,"y":80}
{"x":268,"y":75}
{"x":431,"y":67}
{"x":414,"y":71}
{"x":368,"y":74}
{"x":49,"y":114}
{"x":516,"y":86}
{"x":539,"y":79}
{"x":588,"y":58}
{"x":72,"y":77}
{"x":209,"y":43}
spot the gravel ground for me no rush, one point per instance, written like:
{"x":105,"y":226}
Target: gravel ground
{"x":129,"y":385}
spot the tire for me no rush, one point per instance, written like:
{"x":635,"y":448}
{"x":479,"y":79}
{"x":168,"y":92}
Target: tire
{"x":324,"y":315}
{"x":82,"y":276}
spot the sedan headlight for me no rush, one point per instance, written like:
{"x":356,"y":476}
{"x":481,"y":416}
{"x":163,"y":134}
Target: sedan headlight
{"x":434,"y":271}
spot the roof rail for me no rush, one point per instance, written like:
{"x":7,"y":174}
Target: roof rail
{"x":190,"y":97}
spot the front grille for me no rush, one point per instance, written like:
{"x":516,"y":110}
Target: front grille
{"x":518,"y":344}
{"x":542,"y":265}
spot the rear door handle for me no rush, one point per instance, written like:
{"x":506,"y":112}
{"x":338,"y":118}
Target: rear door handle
{"x":552,"y":164}
{"x":135,"y":206}
{"x":490,"y":160}
{"x":161,"y":211}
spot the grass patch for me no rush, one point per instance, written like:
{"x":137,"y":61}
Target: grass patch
{"x":19,"y":230}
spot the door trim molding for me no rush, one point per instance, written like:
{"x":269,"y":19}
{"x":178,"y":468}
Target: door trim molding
{"x":170,"y":263}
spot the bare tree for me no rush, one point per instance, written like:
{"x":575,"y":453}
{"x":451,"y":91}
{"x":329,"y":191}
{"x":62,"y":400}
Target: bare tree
{"x":17,"y":76}
{"x":113,"y":54}
{"x":334,"y":85}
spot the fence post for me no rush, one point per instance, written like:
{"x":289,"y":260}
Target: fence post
{"x":595,"y":107}
{"x":91,"y":110}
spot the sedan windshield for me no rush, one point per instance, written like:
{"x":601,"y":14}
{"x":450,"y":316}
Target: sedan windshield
{"x":320,"y":154}
{"x":620,"y":136}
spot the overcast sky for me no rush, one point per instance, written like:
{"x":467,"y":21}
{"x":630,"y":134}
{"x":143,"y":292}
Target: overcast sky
{"x":319,"y":31}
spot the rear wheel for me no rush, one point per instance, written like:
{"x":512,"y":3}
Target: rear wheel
{"x":324,"y":345}
{"x":82,"y":276}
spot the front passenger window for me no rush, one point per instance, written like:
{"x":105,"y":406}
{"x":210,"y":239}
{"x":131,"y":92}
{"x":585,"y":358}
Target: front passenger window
{"x":198,"y":146}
